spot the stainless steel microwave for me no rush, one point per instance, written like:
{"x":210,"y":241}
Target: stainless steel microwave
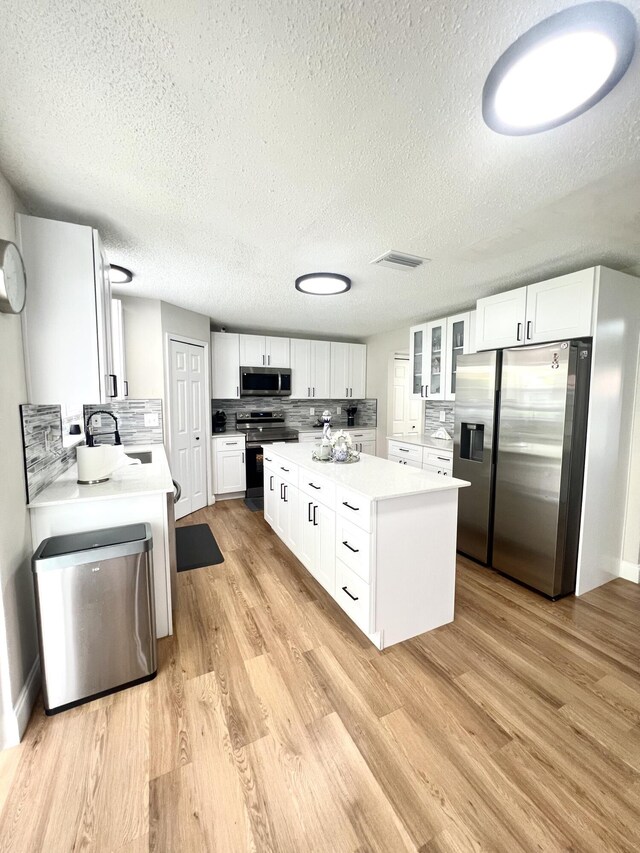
{"x":265,"y":382}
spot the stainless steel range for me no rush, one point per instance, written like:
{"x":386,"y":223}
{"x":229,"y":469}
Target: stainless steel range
{"x":260,"y":428}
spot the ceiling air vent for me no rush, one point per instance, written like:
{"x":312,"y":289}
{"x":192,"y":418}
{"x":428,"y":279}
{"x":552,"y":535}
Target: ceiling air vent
{"x":399,"y":261}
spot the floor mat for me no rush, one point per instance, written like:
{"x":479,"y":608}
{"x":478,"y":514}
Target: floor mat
{"x":254,"y":504}
{"x":196,"y":547}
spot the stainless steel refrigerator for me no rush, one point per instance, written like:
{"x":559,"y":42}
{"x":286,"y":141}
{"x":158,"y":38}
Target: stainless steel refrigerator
{"x":520,"y":432}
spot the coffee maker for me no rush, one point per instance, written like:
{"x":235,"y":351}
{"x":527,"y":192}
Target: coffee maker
{"x":219,"y":422}
{"x":351,"y":415}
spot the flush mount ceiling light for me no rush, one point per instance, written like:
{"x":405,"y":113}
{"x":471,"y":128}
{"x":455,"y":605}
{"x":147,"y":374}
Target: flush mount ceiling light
{"x":559,"y":69}
{"x":119,"y":275}
{"x":323,"y":283}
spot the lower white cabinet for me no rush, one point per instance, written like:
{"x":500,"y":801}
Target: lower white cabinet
{"x":363,"y":440}
{"x":317,"y":541}
{"x":434,"y":460}
{"x":229,"y":467}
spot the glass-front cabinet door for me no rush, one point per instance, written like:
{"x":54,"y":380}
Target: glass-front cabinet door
{"x":459,"y":342}
{"x":417,"y":356}
{"x":436,"y":357}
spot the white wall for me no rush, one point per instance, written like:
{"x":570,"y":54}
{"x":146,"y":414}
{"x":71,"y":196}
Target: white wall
{"x":18,"y":638}
{"x":380,"y":352}
{"x":187,"y":324}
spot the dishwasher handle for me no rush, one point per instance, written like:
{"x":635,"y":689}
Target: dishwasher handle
{"x":178,"y":491}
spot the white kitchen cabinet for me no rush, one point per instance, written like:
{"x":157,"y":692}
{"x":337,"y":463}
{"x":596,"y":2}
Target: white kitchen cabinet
{"x":555,"y":309}
{"x":119,"y":355}
{"x":363,"y":440}
{"x":67,"y":317}
{"x":229,"y":468}
{"x":310,"y":369}
{"x":317,"y":541}
{"x":459,"y":340}
{"x":348,"y":370}
{"x":418,"y":359}
{"x":264,"y":351}
{"x":225,"y":366}
{"x":436,"y":356}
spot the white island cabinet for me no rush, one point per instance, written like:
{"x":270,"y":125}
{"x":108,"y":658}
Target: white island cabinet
{"x":135,"y":493}
{"x":379,"y":537}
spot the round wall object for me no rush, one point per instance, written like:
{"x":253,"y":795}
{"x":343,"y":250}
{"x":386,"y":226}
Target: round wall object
{"x":13,"y":280}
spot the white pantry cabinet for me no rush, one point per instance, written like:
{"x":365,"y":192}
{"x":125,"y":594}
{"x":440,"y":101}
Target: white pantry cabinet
{"x":348,"y":370}
{"x":229,"y":468}
{"x":310,"y":369}
{"x":225,"y":366}
{"x":67,"y":317}
{"x":264,"y":351}
{"x":119,"y":354}
{"x":555,"y":309}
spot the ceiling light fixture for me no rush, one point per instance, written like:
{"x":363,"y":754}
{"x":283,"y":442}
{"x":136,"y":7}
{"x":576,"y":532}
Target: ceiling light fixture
{"x":559,"y":68}
{"x":323,"y":283}
{"x":119,"y":275}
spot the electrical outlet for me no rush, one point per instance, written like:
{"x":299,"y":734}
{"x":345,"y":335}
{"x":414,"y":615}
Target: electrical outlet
{"x":338,"y":410}
{"x":151,"y":419}
{"x":312,"y":411}
{"x":96,"y":421}
{"x":443,"y":416}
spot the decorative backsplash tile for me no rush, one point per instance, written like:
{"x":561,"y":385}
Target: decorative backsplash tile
{"x":131,"y":421}
{"x":432,"y":420}
{"x":45,"y":458}
{"x":297,"y":411}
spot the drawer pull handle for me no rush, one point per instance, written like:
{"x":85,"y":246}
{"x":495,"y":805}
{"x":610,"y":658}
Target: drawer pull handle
{"x":313,"y":486}
{"x":282,"y":468}
{"x":309,"y":516}
{"x":355,"y":550}
{"x":268,"y":460}
{"x":354,"y":508}
{"x":271,"y":483}
{"x":286,"y":500}
{"x":230,"y":443}
{"x":315,"y":507}
{"x":352,"y":597}
{"x":281,"y":491}
{"x":403,"y":449}
{"x":443,"y":458}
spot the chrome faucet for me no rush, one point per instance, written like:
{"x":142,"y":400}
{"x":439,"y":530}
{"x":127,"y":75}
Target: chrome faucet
{"x":88,"y":434}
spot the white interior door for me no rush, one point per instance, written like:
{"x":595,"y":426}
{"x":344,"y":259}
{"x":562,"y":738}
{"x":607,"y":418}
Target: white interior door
{"x":188,"y":425}
{"x":405,"y":409}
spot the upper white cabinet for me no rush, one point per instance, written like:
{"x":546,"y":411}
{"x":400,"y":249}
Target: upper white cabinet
{"x":310,"y":369}
{"x":348,"y":370}
{"x":225,"y":366}
{"x":67,"y":318}
{"x":264,"y":351}
{"x":434,"y":349}
{"x":118,"y":349}
{"x":561,"y":307}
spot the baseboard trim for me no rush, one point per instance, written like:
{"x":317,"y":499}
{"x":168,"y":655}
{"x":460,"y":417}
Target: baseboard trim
{"x":27,"y":698}
{"x":630,"y":571}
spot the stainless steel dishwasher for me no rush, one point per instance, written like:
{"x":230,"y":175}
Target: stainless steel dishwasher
{"x":96,"y":616}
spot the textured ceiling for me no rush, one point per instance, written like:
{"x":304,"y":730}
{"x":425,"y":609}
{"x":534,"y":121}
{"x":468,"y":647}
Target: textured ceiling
{"x":225,"y":148}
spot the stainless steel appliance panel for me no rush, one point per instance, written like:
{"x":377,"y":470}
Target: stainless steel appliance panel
{"x":265,"y":382}
{"x":96,"y":619}
{"x":476,"y":386}
{"x":534,"y":442}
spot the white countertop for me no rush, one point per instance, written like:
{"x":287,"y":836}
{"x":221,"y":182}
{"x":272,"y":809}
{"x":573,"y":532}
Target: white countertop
{"x":229,"y":433}
{"x":423,"y":440}
{"x":375,"y":478}
{"x":152,"y":478}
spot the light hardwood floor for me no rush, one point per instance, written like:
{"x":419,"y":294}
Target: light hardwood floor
{"x":274,"y":724}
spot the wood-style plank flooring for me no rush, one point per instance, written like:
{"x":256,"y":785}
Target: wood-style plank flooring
{"x":274,"y":725}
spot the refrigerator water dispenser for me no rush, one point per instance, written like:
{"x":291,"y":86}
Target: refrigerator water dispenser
{"x":472,"y":442}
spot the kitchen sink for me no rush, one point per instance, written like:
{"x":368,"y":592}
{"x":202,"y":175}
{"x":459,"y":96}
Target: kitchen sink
{"x":145,"y":456}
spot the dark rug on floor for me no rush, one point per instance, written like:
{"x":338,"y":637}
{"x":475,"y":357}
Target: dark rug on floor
{"x":196,"y":547}
{"x":254,"y":504}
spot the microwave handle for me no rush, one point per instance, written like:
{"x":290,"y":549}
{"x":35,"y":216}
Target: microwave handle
{"x":279,"y":382}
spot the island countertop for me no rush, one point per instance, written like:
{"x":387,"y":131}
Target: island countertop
{"x":423,"y":440}
{"x":377,"y":479}
{"x":151,"y":478}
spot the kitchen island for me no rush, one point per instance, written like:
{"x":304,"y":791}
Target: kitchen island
{"x":380,"y":538}
{"x":134,"y":493}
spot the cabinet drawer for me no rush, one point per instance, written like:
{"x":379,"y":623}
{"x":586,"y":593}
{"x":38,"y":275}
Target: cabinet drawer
{"x":287,"y":470}
{"x":354,"y":507}
{"x":353,"y":595}
{"x":437,"y":469}
{"x":271,"y":461}
{"x":304,"y":437}
{"x":362,"y":434}
{"x":353,"y":547}
{"x":317,"y":488}
{"x":410,"y":463}
{"x":439,"y":458}
{"x":231,"y":443}
{"x":405,"y":451}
